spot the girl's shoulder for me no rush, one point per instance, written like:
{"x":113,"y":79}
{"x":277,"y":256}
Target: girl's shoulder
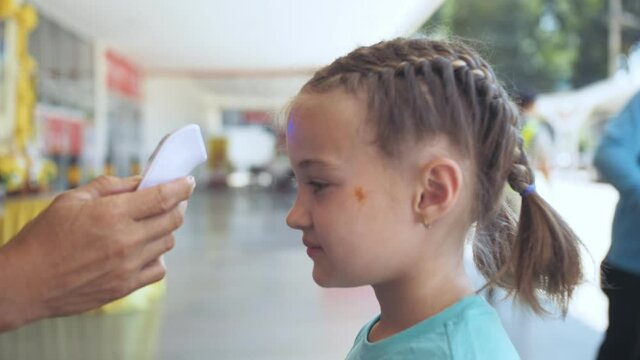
{"x":477,"y":333}
{"x":468,"y":329}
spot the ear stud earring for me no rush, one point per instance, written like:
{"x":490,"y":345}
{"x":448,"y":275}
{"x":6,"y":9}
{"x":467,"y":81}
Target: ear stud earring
{"x":427,"y":225}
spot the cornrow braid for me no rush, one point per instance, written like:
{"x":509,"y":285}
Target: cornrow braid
{"x":418,"y":89}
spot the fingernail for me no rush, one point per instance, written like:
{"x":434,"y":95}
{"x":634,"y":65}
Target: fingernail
{"x":182,"y":207}
{"x":192,"y":181}
{"x":136,"y":179}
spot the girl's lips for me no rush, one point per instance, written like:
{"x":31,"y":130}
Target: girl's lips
{"x":313,"y":251}
{"x":309,"y":244}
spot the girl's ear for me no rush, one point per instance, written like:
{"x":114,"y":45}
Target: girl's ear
{"x":439,"y":186}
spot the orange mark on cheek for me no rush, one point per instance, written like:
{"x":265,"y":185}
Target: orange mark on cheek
{"x":360,"y":195}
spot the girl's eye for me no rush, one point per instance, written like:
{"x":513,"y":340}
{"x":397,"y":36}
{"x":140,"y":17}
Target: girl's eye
{"x":317,"y":185}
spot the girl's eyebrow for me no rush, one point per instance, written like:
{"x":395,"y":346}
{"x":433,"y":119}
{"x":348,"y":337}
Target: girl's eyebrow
{"x":307,"y":163}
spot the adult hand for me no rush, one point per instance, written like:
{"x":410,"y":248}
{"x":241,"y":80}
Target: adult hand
{"x":92,"y":245}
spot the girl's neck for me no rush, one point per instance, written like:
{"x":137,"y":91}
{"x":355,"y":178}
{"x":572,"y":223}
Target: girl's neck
{"x":407,"y":301}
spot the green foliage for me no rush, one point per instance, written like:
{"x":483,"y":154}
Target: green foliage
{"x":541,"y":44}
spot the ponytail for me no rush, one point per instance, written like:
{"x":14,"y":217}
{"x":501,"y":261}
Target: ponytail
{"x":536,"y":255}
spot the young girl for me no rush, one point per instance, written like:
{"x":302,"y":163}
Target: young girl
{"x":400,"y":149}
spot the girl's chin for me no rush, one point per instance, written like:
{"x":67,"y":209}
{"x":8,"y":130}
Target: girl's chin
{"x":325,"y":281}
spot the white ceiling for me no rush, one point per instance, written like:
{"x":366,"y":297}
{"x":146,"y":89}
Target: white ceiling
{"x":216,"y":38}
{"x":260,"y":87}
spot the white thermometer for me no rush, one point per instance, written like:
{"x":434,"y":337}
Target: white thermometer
{"x":176,"y":156}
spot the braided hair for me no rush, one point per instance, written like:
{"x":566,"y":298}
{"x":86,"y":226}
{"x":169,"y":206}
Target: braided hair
{"x":418,"y":89}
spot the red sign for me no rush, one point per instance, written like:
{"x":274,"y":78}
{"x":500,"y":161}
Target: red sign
{"x":257,"y":117}
{"x":63,"y":136}
{"x":123,"y":77}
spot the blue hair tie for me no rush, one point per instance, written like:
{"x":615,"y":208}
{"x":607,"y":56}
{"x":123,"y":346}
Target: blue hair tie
{"x":530,"y":189}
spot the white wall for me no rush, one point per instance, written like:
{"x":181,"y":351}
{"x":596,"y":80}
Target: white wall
{"x":247,"y":145}
{"x":168,"y":104}
{"x":98,"y":150}
{"x":171,"y":102}
{"x":216,"y":103}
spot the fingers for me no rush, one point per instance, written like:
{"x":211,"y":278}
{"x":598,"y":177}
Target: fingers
{"x":150,"y":273}
{"x":155,"y":249}
{"x":109,"y":185}
{"x":159,"y":199}
{"x":161,"y":225}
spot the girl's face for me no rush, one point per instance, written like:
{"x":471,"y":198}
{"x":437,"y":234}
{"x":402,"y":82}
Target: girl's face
{"x":354,"y":209}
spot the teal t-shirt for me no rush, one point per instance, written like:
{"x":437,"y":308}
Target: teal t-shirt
{"x":469,"y":329}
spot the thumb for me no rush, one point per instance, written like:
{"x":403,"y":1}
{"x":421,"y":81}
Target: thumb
{"x":109,"y":185}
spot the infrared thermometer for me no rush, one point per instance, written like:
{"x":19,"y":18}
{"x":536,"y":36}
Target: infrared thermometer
{"x":177,"y":154}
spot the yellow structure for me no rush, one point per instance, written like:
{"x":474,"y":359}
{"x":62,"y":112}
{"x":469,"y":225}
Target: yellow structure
{"x":26,"y":19}
{"x":218,"y":159}
{"x":14,"y":162}
{"x":18,"y":212}
{"x":7,"y":7}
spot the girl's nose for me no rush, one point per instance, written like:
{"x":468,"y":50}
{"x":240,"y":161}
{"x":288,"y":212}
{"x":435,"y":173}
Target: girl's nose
{"x":298,"y":217}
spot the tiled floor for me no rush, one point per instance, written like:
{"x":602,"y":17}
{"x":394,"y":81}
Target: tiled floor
{"x":239,"y":288}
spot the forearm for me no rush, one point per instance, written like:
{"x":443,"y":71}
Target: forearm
{"x":9,"y":316}
{"x":15,"y":309}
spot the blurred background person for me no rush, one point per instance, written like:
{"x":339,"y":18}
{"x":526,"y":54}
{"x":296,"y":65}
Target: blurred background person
{"x":538,"y":135}
{"x":618,"y":160}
